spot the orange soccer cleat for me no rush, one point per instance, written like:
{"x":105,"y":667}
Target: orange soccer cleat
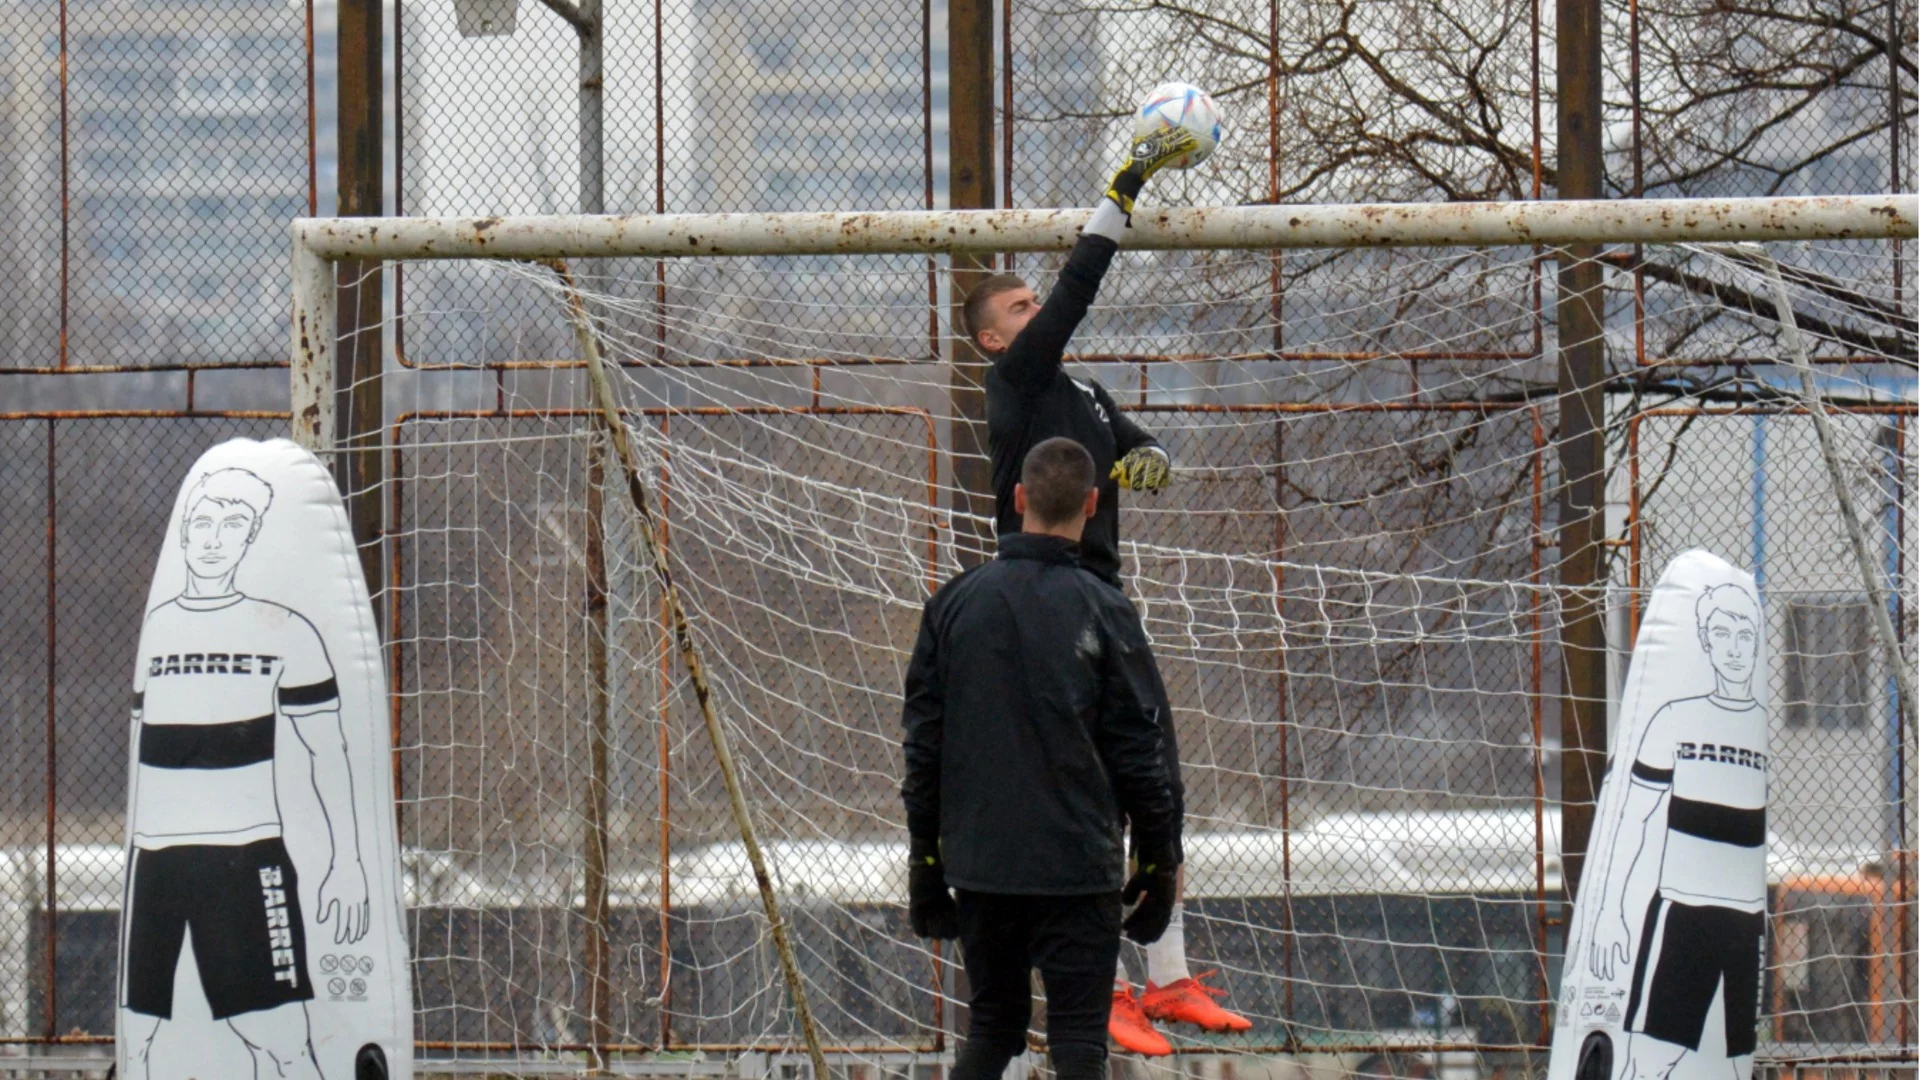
{"x":1129,"y":1026}
{"x":1190,"y":1001}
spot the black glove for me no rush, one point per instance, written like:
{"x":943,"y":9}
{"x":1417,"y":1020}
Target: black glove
{"x":930,"y":906}
{"x":1155,"y":884}
{"x":1148,"y":155}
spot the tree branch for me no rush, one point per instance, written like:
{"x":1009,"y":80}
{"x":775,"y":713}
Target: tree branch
{"x":1897,"y":348}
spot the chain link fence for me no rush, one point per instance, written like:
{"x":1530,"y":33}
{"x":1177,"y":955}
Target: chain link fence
{"x":151,"y":153}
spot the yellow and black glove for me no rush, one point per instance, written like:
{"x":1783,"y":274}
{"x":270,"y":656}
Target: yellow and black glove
{"x":1145,"y":468}
{"x":1152,"y":891}
{"x":1150,"y":154}
{"x":930,"y":906}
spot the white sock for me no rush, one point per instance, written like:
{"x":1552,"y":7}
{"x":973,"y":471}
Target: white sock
{"x":1120,"y":979}
{"x":1167,"y":958}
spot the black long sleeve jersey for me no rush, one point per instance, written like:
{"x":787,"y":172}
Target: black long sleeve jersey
{"x":1032,"y":725}
{"x":1031,"y":398}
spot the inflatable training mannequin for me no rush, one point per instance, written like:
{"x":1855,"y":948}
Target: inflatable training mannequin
{"x":1662,"y":976}
{"x":263,"y":874}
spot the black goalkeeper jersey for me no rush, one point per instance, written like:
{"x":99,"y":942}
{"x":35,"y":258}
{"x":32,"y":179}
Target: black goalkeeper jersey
{"x":1031,"y":398}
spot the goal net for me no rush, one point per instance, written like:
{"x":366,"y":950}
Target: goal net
{"x":1352,"y":586}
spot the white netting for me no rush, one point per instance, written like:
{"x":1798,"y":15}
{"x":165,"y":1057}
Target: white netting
{"x":1350,"y":587}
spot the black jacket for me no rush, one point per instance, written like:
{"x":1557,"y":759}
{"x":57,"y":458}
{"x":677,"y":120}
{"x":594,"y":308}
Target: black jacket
{"x":1031,"y":726}
{"x":1031,"y":399}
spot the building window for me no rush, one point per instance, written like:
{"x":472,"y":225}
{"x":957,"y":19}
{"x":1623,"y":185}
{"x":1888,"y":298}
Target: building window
{"x":219,"y":80}
{"x":1828,"y":663}
{"x":773,"y":46}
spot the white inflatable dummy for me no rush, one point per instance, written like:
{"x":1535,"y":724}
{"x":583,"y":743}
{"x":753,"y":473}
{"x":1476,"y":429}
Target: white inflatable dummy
{"x":262,"y":931}
{"x":1662,"y":975}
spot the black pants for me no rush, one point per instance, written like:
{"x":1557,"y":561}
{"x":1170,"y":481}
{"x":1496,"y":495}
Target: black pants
{"x":1075,"y":942}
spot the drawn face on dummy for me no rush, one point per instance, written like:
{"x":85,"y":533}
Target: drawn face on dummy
{"x":217,"y":535}
{"x":223,"y":516}
{"x":1730,"y":635}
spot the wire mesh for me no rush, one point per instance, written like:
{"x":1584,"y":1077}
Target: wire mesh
{"x":153,"y":151}
{"x":80,"y":598}
{"x":1349,"y":591}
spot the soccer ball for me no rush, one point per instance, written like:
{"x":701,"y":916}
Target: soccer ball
{"x":1180,"y":105}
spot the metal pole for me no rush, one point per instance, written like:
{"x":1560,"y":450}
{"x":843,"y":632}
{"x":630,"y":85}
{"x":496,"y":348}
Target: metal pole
{"x":1217,"y":228}
{"x":52,"y":990}
{"x":970,"y":187}
{"x":1582,"y":411}
{"x":589,"y":29}
{"x":592,"y":143}
{"x":594,"y":858}
{"x":358,"y":361}
{"x":315,"y":326}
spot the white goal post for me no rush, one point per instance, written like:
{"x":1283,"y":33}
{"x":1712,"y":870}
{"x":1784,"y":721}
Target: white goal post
{"x":319,"y":242}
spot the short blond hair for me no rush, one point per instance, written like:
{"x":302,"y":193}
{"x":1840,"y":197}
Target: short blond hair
{"x":976,"y":302}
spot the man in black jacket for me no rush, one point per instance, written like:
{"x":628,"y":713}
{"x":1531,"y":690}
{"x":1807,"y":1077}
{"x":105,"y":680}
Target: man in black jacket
{"x":1030,"y":398}
{"x":1030,"y":731}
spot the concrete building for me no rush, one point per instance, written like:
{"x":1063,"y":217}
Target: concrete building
{"x":760,"y":106}
{"x":185,"y":155}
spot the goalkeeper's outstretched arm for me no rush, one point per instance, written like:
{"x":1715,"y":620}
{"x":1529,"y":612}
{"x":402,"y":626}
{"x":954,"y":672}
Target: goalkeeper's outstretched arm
{"x":1033,"y":356}
{"x":1031,"y":361}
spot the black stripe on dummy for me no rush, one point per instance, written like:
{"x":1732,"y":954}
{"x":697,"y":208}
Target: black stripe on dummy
{"x":207,"y":746}
{"x":1721,"y":824}
{"x":1647,"y":774}
{"x":311,"y":694}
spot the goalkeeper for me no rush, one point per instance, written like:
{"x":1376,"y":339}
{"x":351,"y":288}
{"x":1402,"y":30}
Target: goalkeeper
{"x":1030,"y":398}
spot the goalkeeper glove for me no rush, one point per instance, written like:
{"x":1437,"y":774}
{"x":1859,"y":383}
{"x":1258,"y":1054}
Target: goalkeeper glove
{"x":1145,"y":468}
{"x":1155,"y":885}
{"x":930,"y":907}
{"x":1150,"y":154}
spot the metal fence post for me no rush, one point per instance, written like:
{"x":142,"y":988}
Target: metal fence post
{"x":971,"y":187}
{"x":1582,"y":411}
{"x":359,"y":359}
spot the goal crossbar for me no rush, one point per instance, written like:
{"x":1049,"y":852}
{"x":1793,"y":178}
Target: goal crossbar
{"x":319,"y":242}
